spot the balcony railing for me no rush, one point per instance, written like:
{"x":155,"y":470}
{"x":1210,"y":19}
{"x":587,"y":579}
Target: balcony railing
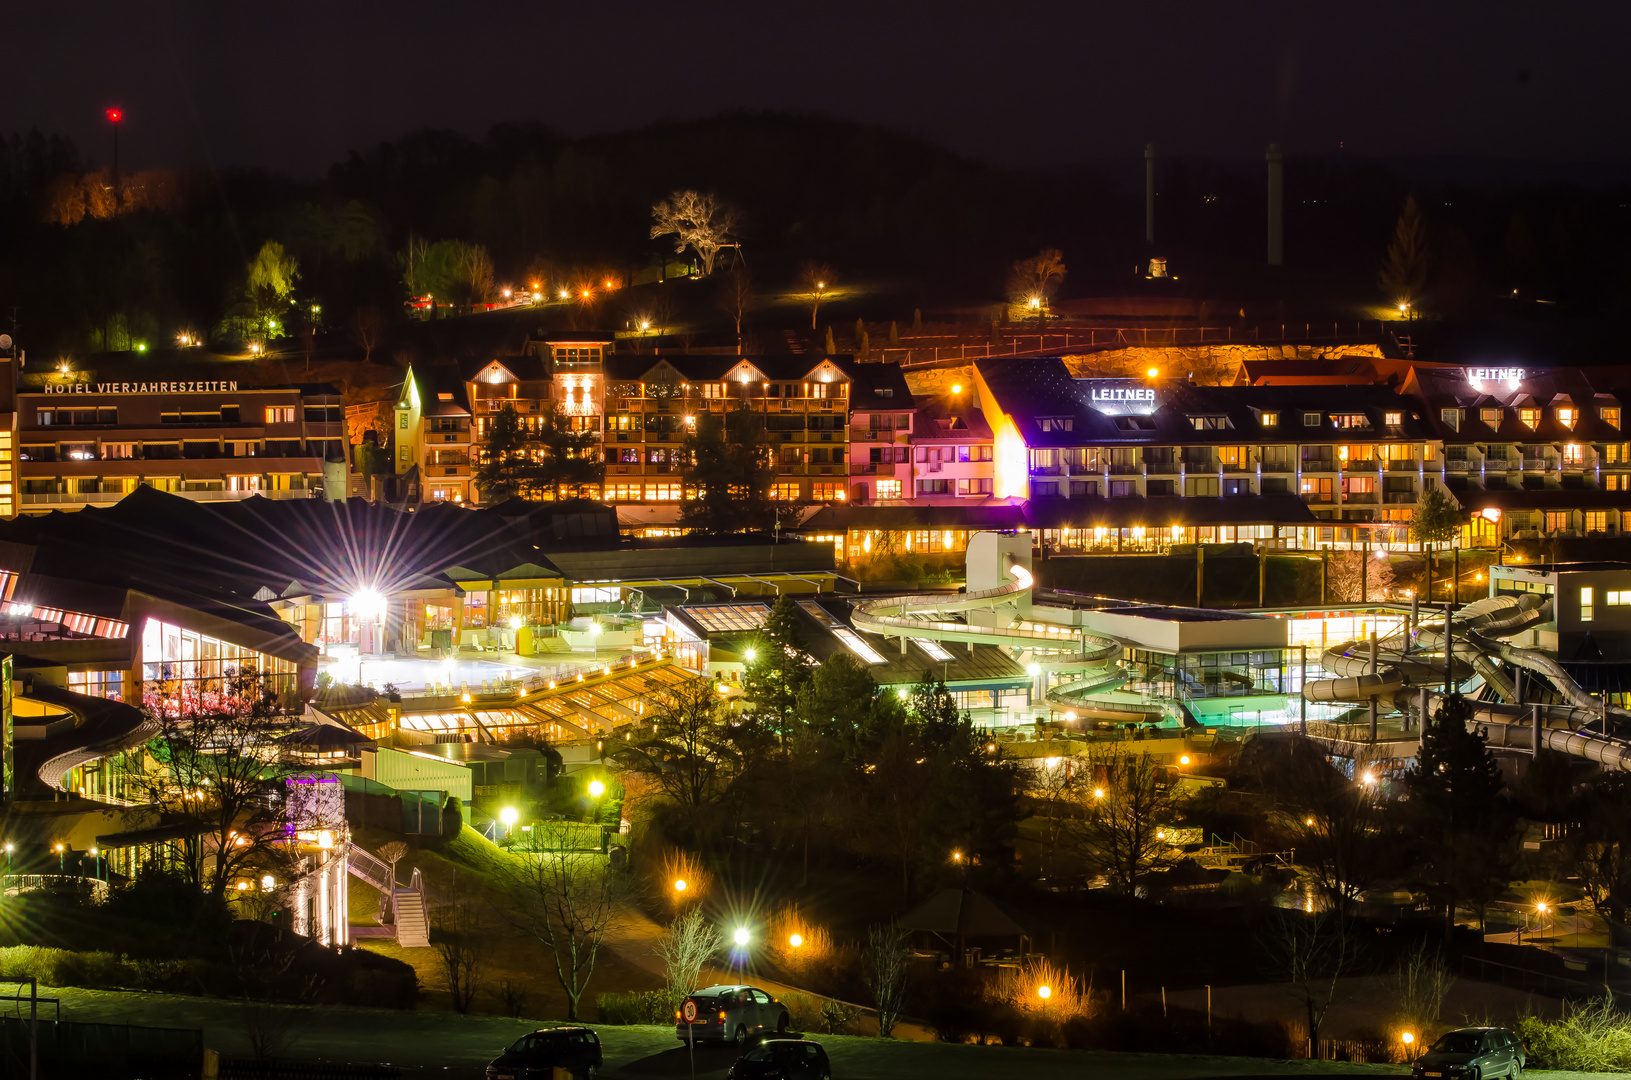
{"x":103,"y":498}
{"x":1126,"y":470}
{"x":873,"y":468}
{"x":1461,"y":466}
{"x":1360,"y":497}
{"x":1398,"y":497}
{"x":1047,"y":470}
{"x":1402,"y":465}
{"x":1161,"y":468}
{"x":1278,"y":467}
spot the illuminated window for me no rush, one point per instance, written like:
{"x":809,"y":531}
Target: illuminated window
{"x":601,"y":594}
{"x":1557,"y":520}
{"x":827,"y":492}
{"x":1610,"y":414}
{"x":1616,"y":482}
{"x":1233,"y":455}
{"x":280,"y":414}
{"x":1209,"y":423}
{"x":1350,"y":420}
{"x":1451,"y":418}
{"x":1618,"y":598}
{"x":622,"y":492}
{"x":1393,"y":419}
{"x":1574,"y":454}
{"x":1271,"y":419}
{"x":1529,"y":417}
{"x":1616,"y":453}
{"x":1055,"y":423}
{"x":1492,"y":417}
{"x":784,"y":492}
{"x":183,"y":669}
{"x":983,"y":486}
{"x":888,"y":489}
{"x":1585,"y":604}
{"x":1568,"y":415}
{"x":1596,"y":521}
{"x":670,"y":492}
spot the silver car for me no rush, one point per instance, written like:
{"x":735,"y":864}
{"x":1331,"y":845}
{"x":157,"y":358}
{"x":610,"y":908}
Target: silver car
{"x":729,"y":1014}
{"x":1477,"y":1053}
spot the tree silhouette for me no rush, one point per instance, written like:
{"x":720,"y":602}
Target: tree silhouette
{"x":1404,"y":271}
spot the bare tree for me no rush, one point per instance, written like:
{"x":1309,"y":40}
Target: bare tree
{"x":1343,"y":843}
{"x":1355,"y":579}
{"x":460,"y":941}
{"x":1032,"y":282}
{"x":1419,"y":985}
{"x":1313,"y":953}
{"x":887,"y":956}
{"x":697,"y":220}
{"x":367,"y":328}
{"x":214,"y":762}
{"x":688,"y":944}
{"x":736,"y":297}
{"x":1125,"y":804}
{"x":568,"y":900}
{"x":393,"y":853}
{"x":816,"y":280}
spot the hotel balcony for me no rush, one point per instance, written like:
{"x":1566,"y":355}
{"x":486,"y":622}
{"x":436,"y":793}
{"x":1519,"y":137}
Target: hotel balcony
{"x":1047,"y":470}
{"x":1403,"y":465}
{"x":1277,"y":467}
{"x":1160,"y":468}
{"x":876,"y":468}
{"x":1126,"y":470}
{"x":107,"y":498}
{"x":1465,"y":466}
{"x":1398,"y":497}
{"x":1360,"y":497}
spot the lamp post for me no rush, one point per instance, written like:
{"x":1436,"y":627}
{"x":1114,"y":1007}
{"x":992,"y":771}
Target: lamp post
{"x":509,"y":816}
{"x":742,"y":938}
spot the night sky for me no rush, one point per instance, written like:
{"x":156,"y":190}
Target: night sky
{"x":294,"y":86}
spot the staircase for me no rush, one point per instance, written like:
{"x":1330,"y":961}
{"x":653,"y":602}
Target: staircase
{"x":412,"y":925}
{"x":401,"y":909}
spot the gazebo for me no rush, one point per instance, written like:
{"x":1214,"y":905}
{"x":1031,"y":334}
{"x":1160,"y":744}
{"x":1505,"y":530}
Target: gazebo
{"x":968,"y":923}
{"x":325,"y":743}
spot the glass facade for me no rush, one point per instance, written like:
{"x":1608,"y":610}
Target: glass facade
{"x":184,"y":670}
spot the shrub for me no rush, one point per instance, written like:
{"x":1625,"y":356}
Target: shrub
{"x":1594,"y":1037}
{"x":645,"y":1007}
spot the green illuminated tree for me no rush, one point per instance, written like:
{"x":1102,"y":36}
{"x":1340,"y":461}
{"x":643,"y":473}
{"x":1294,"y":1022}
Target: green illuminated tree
{"x":779,"y":669}
{"x":1437,"y":518}
{"x":731,"y":470}
{"x":507,"y":468}
{"x":271,"y":282}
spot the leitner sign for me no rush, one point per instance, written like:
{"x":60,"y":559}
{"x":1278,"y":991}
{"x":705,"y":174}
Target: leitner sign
{"x":1121,"y":397}
{"x":1513,"y":375}
{"x":141,"y":387}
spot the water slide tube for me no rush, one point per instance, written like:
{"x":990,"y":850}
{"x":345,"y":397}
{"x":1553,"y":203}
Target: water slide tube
{"x":1402,"y":682}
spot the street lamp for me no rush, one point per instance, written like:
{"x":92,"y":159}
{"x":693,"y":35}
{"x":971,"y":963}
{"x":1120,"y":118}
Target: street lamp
{"x":1184,"y":760}
{"x":750,"y":655}
{"x":795,"y":940}
{"x":680,"y":885}
{"x":596,"y":789}
{"x":741,"y":937}
{"x":509,"y":817}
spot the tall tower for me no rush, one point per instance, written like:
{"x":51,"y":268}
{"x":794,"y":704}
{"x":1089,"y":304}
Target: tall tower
{"x":1277,"y":220}
{"x":1149,"y":193}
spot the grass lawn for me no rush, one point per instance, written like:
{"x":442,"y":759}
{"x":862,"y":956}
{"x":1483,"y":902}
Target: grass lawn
{"x":457,"y":1047}
{"x":469,"y":866}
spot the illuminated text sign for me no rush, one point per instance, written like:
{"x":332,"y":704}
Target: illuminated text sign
{"x":141,"y":387}
{"x":1495,"y":374}
{"x":1122,"y":397}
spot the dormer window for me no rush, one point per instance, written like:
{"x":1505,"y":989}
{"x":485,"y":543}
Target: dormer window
{"x":1451,"y":418}
{"x":1568,"y":415}
{"x":1055,"y":423}
{"x":1610,"y":414}
{"x":1492,"y":417}
{"x":1271,"y":419}
{"x":1210,"y":423}
{"x":1529,"y":417}
{"x":1393,"y":419}
{"x":1311,"y":419}
{"x":884,"y":391}
{"x":1350,"y":420}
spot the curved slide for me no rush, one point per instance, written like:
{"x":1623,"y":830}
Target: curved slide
{"x":1404,"y":681}
{"x":1052,"y":648}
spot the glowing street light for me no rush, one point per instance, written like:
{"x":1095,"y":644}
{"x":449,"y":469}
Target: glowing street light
{"x":1407,"y":1038}
{"x":1184,"y":760}
{"x":509,"y":816}
{"x":795,"y":940}
{"x":680,"y":885}
{"x":516,"y":622}
{"x":1044,"y":992}
{"x":741,"y":936}
{"x":1542,"y":908}
{"x":596,"y":789}
{"x":957,"y":388}
{"x":1098,"y":793}
{"x":268,"y":883}
{"x":367,"y":603}
{"x":1153,"y":372}
{"x":750,"y":655}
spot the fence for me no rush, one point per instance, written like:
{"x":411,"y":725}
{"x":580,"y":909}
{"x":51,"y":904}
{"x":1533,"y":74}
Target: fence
{"x":1545,"y":982}
{"x":67,"y":1049}
{"x":1089,"y":337}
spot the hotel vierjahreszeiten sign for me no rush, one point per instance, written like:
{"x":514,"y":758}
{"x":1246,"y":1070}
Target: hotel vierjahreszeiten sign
{"x":202,"y":387}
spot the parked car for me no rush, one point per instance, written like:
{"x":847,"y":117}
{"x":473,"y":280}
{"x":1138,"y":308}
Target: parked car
{"x":536,"y":1056}
{"x":1476,"y":1053}
{"x":729,"y":1014}
{"x":783,"y":1059}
